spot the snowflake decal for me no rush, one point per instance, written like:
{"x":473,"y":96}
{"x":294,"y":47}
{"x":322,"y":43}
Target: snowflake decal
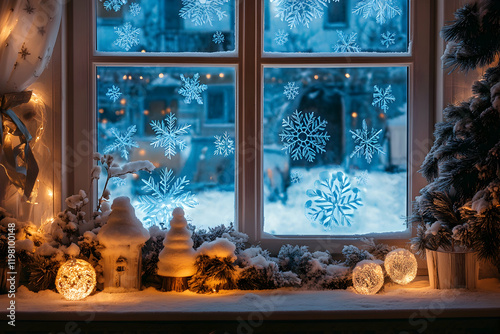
{"x":304,"y":135}
{"x":192,"y":89}
{"x":114,"y":93}
{"x":116,"y":5}
{"x":118,"y":182}
{"x":296,"y":12}
{"x":333,"y":201}
{"x":366,"y":142}
{"x":383,"y":10}
{"x":202,"y":11}
{"x":346,"y":43}
{"x":123,"y":142}
{"x":168,"y":135}
{"x":281,"y":37}
{"x":388,"y":39}
{"x":135,"y":9}
{"x":362,"y":178}
{"x":218,"y":38}
{"x":382,"y":97}
{"x":128,"y":36}
{"x":164,"y":197}
{"x":291,"y":91}
{"x":224,"y":145}
{"x":296,"y":177}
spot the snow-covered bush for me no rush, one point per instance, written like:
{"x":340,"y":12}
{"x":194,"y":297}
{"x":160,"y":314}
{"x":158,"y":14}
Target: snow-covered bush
{"x":200,"y":236}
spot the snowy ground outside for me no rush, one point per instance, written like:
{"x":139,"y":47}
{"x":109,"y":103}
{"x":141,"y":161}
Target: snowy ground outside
{"x":151,"y":303}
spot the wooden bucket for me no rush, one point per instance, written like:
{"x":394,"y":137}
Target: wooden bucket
{"x":452,"y":270}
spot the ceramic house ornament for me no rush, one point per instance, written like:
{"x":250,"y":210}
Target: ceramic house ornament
{"x":123,"y":236}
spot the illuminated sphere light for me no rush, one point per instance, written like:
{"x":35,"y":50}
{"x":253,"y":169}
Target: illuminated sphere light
{"x":401,"y":266}
{"x":75,"y":279}
{"x":367,"y":277}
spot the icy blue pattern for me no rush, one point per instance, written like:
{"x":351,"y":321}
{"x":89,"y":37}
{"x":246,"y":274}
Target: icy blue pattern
{"x":123,"y":142}
{"x":333,"y":201}
{"x":296,"y":12}
{"x":362,"y":178}
{"x":115,"y":5}
{"x":128,"y":36}
{"x":388,"y":39}
{"x":224,"y":145}
{"x":202,"y":11}
{"x":346,"y":43}
{"x":163,"y":197}
{"x":304,"y":135}
{"x":135,"y":9}
{"x":114,"y":93}
{"x":192,"y":89}
{"x":281,"y":37}
{"x":366,"y":142}
{"x":168,"y":135}
{"x":382,"y":97}
{"x":382,"y":10}
{"x":218,"y":38}
{"x":291,"y":91}
{"x":296,"y":177}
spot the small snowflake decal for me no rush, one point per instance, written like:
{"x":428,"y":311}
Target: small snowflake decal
{"x":114,"y":93}
{"x":224,"y":145}
{"x":334,"y":201}
{"x":296,"y":12}
{"x":346,"y":43}
{"x":123,"y":142}
{"x":115,"y":5}
{"x":29,"y":8}
{"x":128,"y":36}
{"x":24,"y":52}
{"x":202,"y":11}
{"x":291,"y":91}
{"x":388,"y":39}
{"x":366,"y":142}
{"x":383,"y":10}
{"x":382,"y":97}
{"x":281,"y":37}
{"x":362,"y":178}
{"x":304,"y":135}
{"x":168,"y":135}
{"x":192,"y":89}
{"x":296,"y":177}
{"x":164,"y":197}
{"x":218,"y":37}
{"x":135,"y":9}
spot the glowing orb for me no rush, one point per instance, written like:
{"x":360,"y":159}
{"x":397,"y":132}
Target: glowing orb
{"x":75,"y":279}
{"x":401,"y":266}
{"x":367,"y":277}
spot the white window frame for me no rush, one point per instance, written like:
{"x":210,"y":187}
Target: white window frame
{"x":249,"y":62}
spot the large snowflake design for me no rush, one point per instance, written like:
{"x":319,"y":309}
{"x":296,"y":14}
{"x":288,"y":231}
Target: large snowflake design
{"x":296,"y":12}
{"x":224,"y":145}
{"x":164,"y":196}
{"x":362,"y":178}
{"x":281,"y":37}
{"x":333,"y":201}
{"x":296,"y":177}
{"x":388,"y":39}
{"x":291,"y":91}
{"x":128,"y":36}
{"x":382,"y":97}
{"x":168,"y":135}
{"x":346,"y":43}
{"x":115,"y":5}
{"x":383,"y":10}
{"x":135,"y":9}
{"x":123,"y":142}
{"x":218,"y":37}
{"x":304,"y":135}
{"x":202,"y":11}
{"x":114,"y":93}
{"x":192,"y":89}
{"x":366,"y":142}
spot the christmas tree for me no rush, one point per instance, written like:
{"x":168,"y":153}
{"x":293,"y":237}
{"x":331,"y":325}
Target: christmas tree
{"x":460,"y":207}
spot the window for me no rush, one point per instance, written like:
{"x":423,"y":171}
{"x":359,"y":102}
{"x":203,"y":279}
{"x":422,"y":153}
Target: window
{"x":240,"y":144}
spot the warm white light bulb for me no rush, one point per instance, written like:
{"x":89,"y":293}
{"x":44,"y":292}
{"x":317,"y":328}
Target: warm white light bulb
{"x":401,"y":266}
{"x":367,"y":277}
{"x":75,"y":279}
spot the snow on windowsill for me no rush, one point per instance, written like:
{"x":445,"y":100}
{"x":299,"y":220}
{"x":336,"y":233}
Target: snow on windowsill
{"x":416,"y":299}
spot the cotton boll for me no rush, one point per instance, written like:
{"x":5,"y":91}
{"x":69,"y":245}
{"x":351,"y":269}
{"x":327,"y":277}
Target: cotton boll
{"x":96,"y":173}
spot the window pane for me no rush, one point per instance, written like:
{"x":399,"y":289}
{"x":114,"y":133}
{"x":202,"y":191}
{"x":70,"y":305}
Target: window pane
{"x":335,"y":150}
{"x":345,"y":26}
{"x":163,"y":114}
{"x":165,"y":25}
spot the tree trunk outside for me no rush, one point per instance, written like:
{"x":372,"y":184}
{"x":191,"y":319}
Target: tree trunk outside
{"x":452,"y":270}
{"x":178,"y":284}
